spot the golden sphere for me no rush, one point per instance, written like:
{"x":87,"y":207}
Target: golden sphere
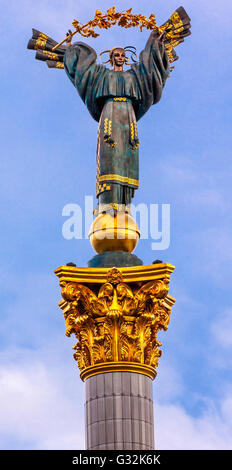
{"x":114,"y":232}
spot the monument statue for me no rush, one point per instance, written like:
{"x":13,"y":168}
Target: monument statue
{"x":115,"y":98}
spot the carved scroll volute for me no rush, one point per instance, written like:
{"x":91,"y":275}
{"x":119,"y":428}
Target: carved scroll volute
{"x":149,"y":294}
{"x":81,"y":301}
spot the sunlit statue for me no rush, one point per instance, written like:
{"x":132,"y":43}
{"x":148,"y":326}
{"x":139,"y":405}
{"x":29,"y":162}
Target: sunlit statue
{"x":117,"y":98}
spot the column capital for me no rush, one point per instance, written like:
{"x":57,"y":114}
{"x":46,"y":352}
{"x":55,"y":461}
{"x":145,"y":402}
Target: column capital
{"x":115,"y":315}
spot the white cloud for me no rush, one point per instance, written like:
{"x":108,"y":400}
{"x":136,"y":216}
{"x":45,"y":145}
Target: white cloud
{"x":39,"y":409}
{"x":31,"y":308}
{"x":196,"y":187}
{"x":227,"y":407}
{"x":175,"y":429}
{"x":222,"y":329}
{"x":214,"y":245}
{"x":42,"y":407}
{"x":168,"y":385}
{"x":179,"y":169}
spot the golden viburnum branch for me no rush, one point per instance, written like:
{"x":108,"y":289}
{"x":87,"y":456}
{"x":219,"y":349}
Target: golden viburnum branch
{"x":125,"y":19}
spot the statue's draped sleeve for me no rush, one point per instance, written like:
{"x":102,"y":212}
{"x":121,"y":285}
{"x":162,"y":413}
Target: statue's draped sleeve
{"x":80,"y":66}
{"x":150,"y":73}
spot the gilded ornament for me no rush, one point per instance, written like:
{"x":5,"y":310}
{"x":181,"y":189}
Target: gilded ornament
{"x":114,"y":276}
{"x":116,"y":322}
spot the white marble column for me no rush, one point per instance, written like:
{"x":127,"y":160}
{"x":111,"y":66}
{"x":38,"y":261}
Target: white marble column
{"x":119,"y":412}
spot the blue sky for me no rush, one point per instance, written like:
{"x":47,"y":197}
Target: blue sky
{"x":48,"y":143}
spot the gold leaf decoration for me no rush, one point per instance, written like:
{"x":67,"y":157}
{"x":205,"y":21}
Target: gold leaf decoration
{"x":124,"y":19}
{"x":114,"y":276}
{"x":116,"y":322}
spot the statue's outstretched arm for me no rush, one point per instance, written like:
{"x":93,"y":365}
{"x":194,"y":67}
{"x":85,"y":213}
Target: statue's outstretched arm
{"x":174,"y":31}
{"x":43,"y":46}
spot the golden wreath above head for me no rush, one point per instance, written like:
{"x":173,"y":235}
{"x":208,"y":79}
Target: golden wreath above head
{"x":174,"y":31}
{"x":124,"y":19}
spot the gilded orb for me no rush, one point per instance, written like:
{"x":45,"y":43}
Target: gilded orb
{"x":114,"y":232}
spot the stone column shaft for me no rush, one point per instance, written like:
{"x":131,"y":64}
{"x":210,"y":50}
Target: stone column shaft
{"x":119,"y":412}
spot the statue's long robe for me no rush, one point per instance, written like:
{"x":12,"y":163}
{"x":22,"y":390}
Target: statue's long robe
{"x":117,"y":100}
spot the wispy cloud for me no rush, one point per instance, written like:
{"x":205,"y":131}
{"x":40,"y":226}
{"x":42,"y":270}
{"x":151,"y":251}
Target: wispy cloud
{"x":177,"y":430}
{"x":168,"y":385}
{"x":213,"y":246}
{"x":221,"y":330}
{"x":28,"y":303}
{"x":40,"y":408}
{"x":41,"y":404}
{"x":195,"y":186}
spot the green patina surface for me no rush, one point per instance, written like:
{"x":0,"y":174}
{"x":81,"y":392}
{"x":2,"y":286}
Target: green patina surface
{"x":112,"y":259}
{"x":139,"y":87}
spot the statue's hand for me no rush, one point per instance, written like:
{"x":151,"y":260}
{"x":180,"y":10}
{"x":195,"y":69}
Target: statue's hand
{"x":162,"y":36}
{"x":69,"y":39}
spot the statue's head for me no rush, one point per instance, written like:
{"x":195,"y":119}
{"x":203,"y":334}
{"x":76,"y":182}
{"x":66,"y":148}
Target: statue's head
{"x":118,"y":57}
